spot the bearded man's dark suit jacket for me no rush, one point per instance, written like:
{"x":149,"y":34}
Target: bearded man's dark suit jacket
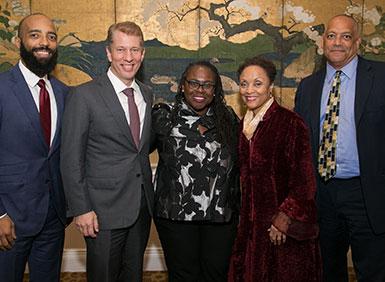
{"x":369,"y":111}
{"x":29,"y":170}
{"x":102,"y":168}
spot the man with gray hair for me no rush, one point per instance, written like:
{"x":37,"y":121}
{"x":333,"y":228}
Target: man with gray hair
{"x":344,"y":106}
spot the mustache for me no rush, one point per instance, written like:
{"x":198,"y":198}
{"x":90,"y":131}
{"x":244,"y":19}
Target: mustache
{"x":337,"y":48}
{"x":37,"y":49}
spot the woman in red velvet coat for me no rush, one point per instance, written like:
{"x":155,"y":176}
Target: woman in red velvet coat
{"x":277,"y":233}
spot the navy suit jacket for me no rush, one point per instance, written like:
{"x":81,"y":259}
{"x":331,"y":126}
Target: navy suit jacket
{"x":369,"y":111}
{"x":29,"y":170}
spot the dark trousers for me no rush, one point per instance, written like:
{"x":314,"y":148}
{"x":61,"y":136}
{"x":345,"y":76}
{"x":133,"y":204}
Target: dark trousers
{"x":43,"y":252}
{"x":343,"y":222}
{"x":117,"y":254}
{"x":196,"y":251}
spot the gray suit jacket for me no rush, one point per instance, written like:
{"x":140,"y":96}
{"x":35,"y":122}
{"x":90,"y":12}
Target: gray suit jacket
{"x":101,"y":166}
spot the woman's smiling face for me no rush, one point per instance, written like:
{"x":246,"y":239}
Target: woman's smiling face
{"x":254,"y":87}
{"x":198,"y":88}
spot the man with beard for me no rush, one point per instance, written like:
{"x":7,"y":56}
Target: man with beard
{"x":32,"y":205}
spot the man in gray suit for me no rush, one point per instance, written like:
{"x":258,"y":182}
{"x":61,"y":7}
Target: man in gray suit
{"x":105,"y":161}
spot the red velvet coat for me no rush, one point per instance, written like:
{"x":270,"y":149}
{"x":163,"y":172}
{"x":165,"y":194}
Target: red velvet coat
{"x":278,"y":186}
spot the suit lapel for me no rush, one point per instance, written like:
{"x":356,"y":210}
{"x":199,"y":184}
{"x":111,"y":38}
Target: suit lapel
{"x":59,"y":97}
{"x":110,"y":98}
{"x":23,"y":94}
{"x":107,"y":92}
{"x":364,"y":82}
{"x":147,"y":116}
{"x":315,"y":105}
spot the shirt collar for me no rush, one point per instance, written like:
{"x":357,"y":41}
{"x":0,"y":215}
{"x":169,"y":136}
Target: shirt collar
{"x":348,"y":70}
{"x":118,"y":85}
{"x":31,"y":78}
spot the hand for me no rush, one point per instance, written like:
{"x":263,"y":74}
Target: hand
{"x":7,"y":233}
{"x":87,"y":224}
{"x":276,"y":236}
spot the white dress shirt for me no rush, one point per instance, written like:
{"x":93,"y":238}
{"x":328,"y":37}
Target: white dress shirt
{"x":32,"y":80}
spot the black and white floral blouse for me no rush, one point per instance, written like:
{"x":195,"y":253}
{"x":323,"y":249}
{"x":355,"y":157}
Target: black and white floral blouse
{"x":196,"y":178}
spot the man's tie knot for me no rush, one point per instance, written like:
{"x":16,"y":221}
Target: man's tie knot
{"x":337,"y":77}
{"x":129,"y":92}
{"x":41,"y":83}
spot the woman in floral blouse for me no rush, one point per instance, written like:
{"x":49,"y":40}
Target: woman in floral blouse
{"x":197,"y":180}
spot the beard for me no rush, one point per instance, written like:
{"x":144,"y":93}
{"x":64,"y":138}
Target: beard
{"x":40,"y":67}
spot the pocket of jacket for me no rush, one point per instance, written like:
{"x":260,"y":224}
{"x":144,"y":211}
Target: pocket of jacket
{"x":101,"y":183}
{"x":12,"y":176}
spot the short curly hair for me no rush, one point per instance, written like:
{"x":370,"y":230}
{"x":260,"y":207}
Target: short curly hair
{"x":267,"y":65}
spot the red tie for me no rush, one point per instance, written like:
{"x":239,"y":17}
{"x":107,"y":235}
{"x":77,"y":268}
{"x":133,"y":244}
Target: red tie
{"x":134,"y":115}
{"x":45,"y":111}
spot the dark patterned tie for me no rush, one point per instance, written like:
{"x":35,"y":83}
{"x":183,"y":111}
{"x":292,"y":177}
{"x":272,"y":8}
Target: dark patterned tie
{"x":45,"y":111}
{"x":134,"y":115}
{"x":327,"y":150}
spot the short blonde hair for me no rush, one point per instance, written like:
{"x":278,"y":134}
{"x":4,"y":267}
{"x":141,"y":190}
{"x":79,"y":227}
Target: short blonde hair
{"x":129,"y":28}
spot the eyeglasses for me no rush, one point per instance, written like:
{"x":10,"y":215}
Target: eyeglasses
{"x":195,"y":84}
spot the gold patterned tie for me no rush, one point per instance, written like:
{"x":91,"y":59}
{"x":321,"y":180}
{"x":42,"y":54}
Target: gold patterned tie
{"x":327,"y":149}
